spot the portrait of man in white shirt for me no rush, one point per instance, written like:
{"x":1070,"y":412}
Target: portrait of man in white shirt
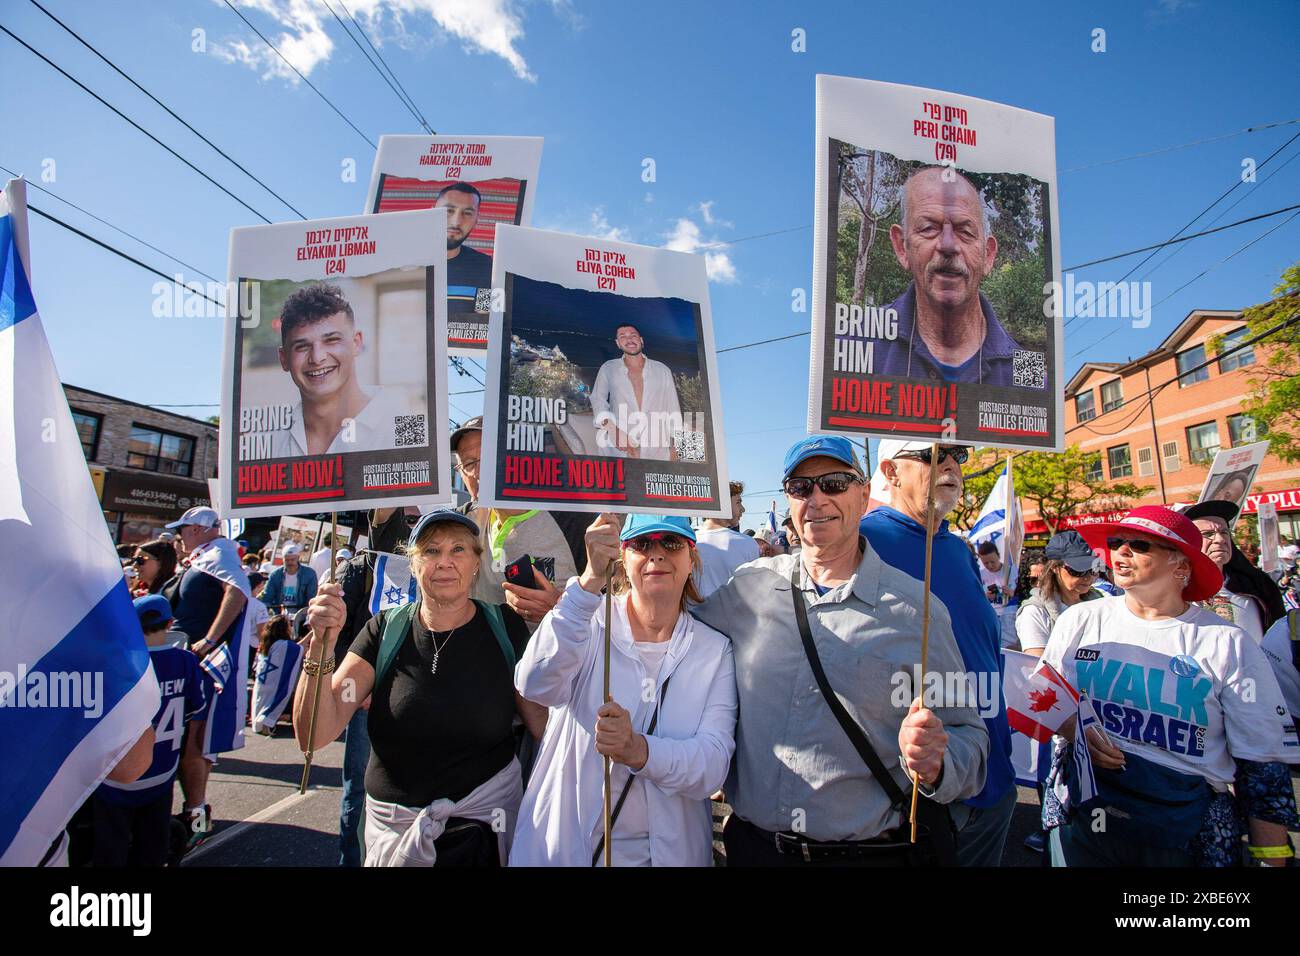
{"x":635,"y":404}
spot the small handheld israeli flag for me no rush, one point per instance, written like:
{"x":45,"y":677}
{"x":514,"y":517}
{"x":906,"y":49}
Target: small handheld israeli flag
{"x":277,"y":676}
{"x":394,"y":583}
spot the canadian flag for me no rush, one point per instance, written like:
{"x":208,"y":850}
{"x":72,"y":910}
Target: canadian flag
{"x":1038,"y":699}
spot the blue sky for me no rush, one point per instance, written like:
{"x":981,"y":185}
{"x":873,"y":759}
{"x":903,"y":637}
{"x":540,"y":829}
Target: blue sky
{"x":712,"y":92}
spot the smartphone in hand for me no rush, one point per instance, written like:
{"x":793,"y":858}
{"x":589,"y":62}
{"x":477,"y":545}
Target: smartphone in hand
{"x":521,"y":573}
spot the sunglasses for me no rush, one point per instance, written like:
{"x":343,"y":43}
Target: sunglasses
{"x":643,"y":543}
{"x":1090,"y":573}
{"x":140,"y":559}
{"x":957,"y":453}
{"x":835,"y":483}
{"x":1138,"y":546}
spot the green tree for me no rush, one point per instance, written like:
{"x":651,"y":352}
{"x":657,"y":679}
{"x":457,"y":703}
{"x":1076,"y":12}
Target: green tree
{"x":1060,"y":485}
{"x":1275,"y":386}
{"x":978,"y":482}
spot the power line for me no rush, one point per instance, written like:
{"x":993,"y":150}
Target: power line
{"x":1199,"y":275}
{"x":1236,"y":183}
{"x":110,"y":225}
{"x":105,"y":102}
{"x":1224,"y":212}
{"x":115,"y":250}
{"x":1170,"y":149}
{"x":1170,"y":242}
{"x":459,"y":366}
{"x":779,"y":338}
{"x":410,"y":99}
{"x":299,"y":72}
{"x":169,"y":110}
{"x":371,"y":61}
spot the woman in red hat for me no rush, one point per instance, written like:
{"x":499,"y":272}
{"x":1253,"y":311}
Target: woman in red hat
{"x":1184,"y":699}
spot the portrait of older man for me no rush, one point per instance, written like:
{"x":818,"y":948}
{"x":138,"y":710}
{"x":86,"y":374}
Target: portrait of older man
{"x":947,"y":330}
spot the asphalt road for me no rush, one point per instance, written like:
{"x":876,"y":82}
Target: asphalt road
{"x":260,"y":819}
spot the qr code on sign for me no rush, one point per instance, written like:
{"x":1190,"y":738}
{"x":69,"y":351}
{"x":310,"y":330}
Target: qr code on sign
{"x":483,"y":301}
{"x":689,"y":445}
{"x":409,"y":430}
{"x":1030,"y":369}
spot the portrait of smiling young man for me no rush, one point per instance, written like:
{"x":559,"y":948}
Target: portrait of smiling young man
{"x":319,"y":347}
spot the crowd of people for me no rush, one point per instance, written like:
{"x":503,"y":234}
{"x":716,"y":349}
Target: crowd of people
{"x":772,"y":672}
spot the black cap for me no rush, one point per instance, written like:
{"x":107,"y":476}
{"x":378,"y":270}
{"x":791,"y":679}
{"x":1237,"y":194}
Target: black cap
{"x":474,"y":424}
{"x":1213,"y":509}
{"x":1069,"y":548}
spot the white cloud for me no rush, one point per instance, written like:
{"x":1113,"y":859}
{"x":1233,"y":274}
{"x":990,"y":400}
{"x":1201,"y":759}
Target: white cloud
{"x":594,"y":225}
{"x":493,"y":27}
{"x":686,"y":237}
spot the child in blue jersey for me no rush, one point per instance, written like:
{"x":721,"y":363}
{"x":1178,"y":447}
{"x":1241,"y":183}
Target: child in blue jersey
{"x":133,"y":820}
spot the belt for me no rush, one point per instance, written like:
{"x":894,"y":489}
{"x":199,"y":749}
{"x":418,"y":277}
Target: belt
{"x":812,"y":851}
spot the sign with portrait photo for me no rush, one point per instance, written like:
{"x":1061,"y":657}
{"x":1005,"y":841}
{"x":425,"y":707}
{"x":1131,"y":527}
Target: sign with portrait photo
{"x":1232,"y":473}
{"x":936,"y":268}
{"x":334,"y":393}
{"x":481,"y":182}
{"x":602,"y":389}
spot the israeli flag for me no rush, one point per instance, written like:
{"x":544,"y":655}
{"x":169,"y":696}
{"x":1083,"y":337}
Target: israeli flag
{"x":394,"y":583}
{"x":277,"y":676}
{"x":1008,"y":533}
{"x":76,"y":686}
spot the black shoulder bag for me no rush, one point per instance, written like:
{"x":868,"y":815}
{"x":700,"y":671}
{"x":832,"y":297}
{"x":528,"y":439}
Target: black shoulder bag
{"x":935,"y":844}
{"x":613,"y":816}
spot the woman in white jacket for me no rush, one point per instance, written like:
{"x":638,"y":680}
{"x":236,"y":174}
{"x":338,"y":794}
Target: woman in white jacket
{"x":669,"y":728}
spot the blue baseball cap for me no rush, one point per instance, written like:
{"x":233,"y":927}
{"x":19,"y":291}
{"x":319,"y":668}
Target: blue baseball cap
{"x":821,"y":446}
{"x":637,"y":525}
{"x":439,"y":515}
{"x":154,"y":611}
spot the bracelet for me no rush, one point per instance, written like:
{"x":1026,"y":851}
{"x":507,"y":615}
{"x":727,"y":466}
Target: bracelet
{"x":312,"y":669}
{"x":1272,"y":852}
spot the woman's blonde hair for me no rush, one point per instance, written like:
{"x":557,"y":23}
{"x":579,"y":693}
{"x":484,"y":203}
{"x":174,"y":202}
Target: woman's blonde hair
{"x":690,"y":593}
{"x":439,"y":527}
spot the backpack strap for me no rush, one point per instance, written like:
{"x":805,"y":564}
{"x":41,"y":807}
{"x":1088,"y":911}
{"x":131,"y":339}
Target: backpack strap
{"x":497,"y":622}
{"x":396,"y":626}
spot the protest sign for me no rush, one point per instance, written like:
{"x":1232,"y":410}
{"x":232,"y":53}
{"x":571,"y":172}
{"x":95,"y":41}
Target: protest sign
{"x":482,"y":182}
{"x":602,"y":390}
{"x":1232,"y":473}
{"x":303,"y":532}
{"x":936,"y":269}
{"x":1270,"y":541}
{"x":334,"y":392}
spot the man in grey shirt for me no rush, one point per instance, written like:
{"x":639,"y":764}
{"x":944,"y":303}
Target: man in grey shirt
{"x":800,"y":792}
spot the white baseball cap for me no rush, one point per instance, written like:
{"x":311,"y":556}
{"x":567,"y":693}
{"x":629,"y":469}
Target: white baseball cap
{"x":201,"y":516}
{"x":292,"y":549}
{"x":891,"y":448}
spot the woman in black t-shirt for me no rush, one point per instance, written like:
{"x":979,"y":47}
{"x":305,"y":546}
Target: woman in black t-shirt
{"x":442,"y":784}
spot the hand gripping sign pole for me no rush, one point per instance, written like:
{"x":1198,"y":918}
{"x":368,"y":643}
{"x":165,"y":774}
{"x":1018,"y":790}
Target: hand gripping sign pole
{"x":609,"y":605}
{"x":925,"y":611}
{"x":320,"y":661}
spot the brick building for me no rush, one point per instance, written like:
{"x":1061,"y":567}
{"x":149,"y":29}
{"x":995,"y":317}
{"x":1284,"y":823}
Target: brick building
{"x":148,"y":465}
{"x":1168,"y":443}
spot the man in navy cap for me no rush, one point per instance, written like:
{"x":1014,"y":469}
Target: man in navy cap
{"x":832,"y":726}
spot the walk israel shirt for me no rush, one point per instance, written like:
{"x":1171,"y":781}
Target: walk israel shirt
{"x":1190,"y":692}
